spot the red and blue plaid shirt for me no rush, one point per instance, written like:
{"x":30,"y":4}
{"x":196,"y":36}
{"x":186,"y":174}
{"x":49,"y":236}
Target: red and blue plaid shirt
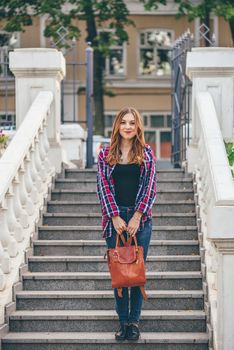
{"x":146,"y":194}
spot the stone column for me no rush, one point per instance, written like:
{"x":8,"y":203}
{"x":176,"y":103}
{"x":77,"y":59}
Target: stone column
{"x":35,"y":70}
{"x":225,"y":304}
{"x":212,"y":69}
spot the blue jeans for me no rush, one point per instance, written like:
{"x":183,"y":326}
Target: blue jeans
{"x":122,"y":304}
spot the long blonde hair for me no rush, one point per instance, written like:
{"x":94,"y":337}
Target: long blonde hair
{"x":136,"y":154}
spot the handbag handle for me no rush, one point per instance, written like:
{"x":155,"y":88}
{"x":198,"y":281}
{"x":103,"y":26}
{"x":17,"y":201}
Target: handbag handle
{"x":128,"y":243}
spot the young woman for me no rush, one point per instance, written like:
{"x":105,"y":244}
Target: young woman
{"x":126,"y":187}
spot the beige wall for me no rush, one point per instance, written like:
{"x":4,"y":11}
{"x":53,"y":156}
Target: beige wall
{"x":142,"y":99}
{"x":10,"y":102}
{"x":31,"y":36}
{"x":225,"y":38}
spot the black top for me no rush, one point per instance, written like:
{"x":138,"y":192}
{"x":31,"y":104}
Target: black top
{"x":126,"y":182}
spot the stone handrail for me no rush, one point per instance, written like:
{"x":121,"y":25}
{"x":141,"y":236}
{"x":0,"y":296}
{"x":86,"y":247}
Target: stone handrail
{"x":213,"y":163}
{"x":215,"y":188}
{"x":26,"y":174}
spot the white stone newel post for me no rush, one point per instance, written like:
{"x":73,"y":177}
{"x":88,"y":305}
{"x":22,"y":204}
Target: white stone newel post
{"x":38,"y":70}
{"x":212,"y":70}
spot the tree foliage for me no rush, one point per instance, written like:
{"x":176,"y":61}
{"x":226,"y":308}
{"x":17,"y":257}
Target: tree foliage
{"x":97,"y":14}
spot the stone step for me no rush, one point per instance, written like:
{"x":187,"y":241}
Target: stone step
{"x":99,"y":264}
{"x":103,"y":341}
{"x":88,"y":174}
{"x":104,"y":300}
{"x":187,"y":206}
{"x":92,"y":184}
{"x":184,"y":280}
{"x":86,"y":195}
{"x":98,"y":247}
{"x":90,"y":232}
{"x":75,"y":219}
{"x":105,"y":321}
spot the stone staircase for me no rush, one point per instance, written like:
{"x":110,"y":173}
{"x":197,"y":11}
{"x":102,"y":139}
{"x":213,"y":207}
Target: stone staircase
{"x":65,"y":299}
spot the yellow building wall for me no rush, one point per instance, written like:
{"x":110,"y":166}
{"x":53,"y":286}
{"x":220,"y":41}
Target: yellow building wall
{"x":225,"y":37}
{"x":143,"y":100}
{"x":31,"y":36}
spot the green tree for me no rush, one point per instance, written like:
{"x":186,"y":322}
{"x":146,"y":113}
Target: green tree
{"x":105,"y":14}
{"x":202,"y":10}
{"x":225,"y":9}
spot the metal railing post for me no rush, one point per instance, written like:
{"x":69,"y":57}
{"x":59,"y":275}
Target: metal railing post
{"x":89,"y":111}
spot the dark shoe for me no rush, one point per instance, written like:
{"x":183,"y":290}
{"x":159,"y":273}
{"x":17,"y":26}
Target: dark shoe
{"x":122,"y":332}
{"x":133,"y":332}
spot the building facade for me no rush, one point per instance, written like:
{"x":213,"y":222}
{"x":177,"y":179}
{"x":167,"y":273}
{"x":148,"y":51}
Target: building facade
{"x":137,"y":72}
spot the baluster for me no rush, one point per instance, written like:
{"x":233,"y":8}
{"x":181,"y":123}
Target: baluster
{"x":30,"y":187}
{"x":39,"y":167}
{"x":49,"y":167}
{"x":34,"y":175}
{"x":5,"y":262}
{"x":43,"y":147}
{"x":8,"y":241}
{"x":26,"y":202}
{"x":2,"y":280}
{"x":4,"y":251}
{"x":14,"y":226}
{"x":20,"y":212}
{"x":42,"y":155}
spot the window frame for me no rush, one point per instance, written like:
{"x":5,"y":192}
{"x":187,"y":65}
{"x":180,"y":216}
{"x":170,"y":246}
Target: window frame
{"x":12,"y":120}
{"x":139,"y":46}
{"x":107,"y":73}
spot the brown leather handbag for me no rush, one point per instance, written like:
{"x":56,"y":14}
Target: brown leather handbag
{"x":126,"y":265}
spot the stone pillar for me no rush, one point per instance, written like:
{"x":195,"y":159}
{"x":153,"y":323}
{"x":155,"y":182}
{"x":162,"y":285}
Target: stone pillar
{"x":225,"y":304}
{"x":212,"y":69}
{"x":35,"y":70}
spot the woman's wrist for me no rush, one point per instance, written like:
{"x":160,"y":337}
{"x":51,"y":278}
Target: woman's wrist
{"x":137,"y":215}
{"x":115,"y":216}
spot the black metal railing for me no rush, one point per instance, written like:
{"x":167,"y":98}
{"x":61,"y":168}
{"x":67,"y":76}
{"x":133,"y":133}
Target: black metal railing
{"x":7,"y":115}
{"x":181,"y":87}
{"x":181,"y":92}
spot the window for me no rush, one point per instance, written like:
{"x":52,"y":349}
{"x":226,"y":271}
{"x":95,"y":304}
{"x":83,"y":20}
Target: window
{"x":7,"y":121}
{"x":109,"y":119}
{"x":145,"y":119}
{"x":157,"y":120}
{"x":155,"y":52}
{"x":165,"y":144}
{"x":169,"y":120}
{"x":114,"y":62}
{"x":160,"y":120}
{"x":108,"y":123}
{"x":7,"y":43}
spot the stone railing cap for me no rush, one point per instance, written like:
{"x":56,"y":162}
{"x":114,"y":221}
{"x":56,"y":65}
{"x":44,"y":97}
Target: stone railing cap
{"x":33,"y":59}
{"x":218,"y":59}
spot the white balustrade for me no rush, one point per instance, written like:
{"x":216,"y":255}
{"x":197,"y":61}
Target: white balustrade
{"x":26,"y":175}
{"x":215,"y":188}
{"x":29,"y":163}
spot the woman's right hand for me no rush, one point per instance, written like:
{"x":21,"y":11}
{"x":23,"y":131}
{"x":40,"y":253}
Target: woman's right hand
{"x":119,"y":224}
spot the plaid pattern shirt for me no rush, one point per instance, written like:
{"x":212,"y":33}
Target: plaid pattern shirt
{"x":146,"y":194}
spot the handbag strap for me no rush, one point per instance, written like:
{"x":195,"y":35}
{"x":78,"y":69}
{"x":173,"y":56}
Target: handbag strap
{"x":126,"y":243}
{"x":142,"y":289}
{"x":117,"y":244}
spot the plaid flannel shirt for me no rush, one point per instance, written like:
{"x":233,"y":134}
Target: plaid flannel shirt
{"x":146,"y":194}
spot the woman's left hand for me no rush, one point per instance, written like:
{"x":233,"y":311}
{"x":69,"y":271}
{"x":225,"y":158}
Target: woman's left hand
{"x":133,"y":226}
